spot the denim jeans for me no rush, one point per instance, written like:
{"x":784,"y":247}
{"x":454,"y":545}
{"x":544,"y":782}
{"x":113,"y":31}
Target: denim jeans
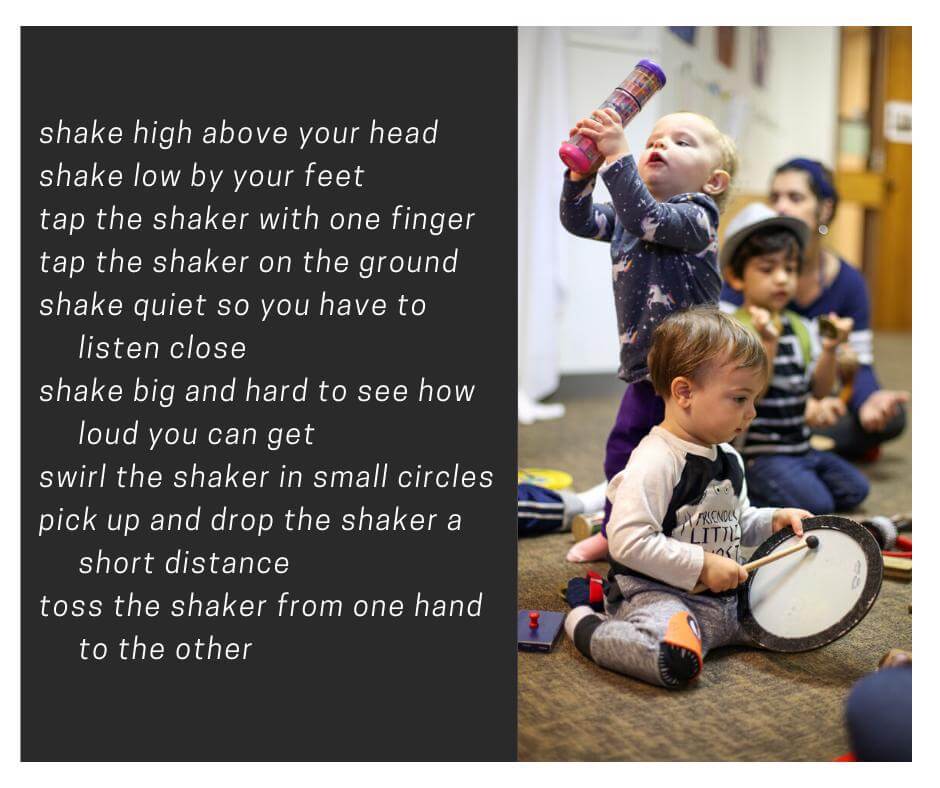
{"x":818,"y":481}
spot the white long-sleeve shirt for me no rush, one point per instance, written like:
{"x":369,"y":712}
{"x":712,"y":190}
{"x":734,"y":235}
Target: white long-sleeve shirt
{"x":674,"y":501}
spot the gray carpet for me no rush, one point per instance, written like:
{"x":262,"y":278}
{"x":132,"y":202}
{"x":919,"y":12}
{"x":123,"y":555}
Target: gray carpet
{"x":748,"y":705}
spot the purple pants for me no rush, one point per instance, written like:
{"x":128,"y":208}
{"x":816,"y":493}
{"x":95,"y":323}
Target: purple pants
{"x":641,"y":409}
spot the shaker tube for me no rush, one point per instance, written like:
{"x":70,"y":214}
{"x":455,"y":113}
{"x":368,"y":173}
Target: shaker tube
{"x":580,"y":153}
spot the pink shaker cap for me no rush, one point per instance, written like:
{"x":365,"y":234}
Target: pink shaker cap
{"x":574,"y":158}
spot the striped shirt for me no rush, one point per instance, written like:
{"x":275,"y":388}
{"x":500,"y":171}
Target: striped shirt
{"x":847,"y":296}
{"x":780,"y":424}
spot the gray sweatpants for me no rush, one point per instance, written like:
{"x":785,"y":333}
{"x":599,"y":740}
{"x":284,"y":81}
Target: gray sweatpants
{"x":629,"y":640}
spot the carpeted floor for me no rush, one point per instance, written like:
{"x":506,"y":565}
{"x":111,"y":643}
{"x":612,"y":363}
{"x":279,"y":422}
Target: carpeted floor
{"x":748,"y":705}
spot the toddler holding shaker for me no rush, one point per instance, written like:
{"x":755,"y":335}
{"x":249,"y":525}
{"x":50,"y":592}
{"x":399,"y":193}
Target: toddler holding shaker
{"x":662,"y":227}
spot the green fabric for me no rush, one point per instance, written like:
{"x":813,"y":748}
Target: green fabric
{"x":796,"y":323}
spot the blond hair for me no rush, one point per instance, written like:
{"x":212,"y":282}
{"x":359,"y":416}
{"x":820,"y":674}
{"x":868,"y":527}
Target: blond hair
{"x":727,"y":158}
{"x":689,"y":342}
{"x":729,"y":163}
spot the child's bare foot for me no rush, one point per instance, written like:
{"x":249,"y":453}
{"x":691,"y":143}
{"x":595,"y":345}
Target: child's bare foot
{"x":594,"y":548}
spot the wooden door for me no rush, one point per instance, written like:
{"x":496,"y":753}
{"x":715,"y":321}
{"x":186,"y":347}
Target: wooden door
{"x":890,"y":278}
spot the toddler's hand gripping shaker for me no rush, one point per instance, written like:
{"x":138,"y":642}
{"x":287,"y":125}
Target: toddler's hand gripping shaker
{"x":579,"y":153}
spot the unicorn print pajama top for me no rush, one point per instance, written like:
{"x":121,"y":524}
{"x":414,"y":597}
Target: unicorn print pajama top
{"x":664,"y":255}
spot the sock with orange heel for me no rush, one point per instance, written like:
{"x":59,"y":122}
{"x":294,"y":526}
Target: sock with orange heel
{"x":680,"y":653}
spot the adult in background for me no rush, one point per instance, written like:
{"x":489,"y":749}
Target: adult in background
{"x":803,"y":188}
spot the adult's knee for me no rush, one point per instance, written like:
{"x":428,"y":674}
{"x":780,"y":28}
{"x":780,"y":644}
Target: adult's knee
{"x":895,"y":426}
{"x":865,"y":440}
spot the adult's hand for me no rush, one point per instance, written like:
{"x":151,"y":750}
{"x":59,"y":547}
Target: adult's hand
{"x":880,"y":408}
{"x":824,"y":412}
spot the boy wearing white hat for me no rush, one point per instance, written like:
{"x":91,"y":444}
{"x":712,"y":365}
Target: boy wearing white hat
{"x":761,"y":258}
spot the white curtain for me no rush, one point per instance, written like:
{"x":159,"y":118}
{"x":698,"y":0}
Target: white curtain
{"x":543,"y":121}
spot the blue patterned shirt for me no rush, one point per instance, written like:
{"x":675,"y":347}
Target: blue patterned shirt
{"x":664,"y":255}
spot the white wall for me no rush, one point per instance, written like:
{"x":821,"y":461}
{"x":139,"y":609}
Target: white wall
{"x":794,"y":114}
{"x":598,"y":61}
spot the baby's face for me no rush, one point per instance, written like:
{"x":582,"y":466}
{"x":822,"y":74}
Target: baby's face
{"x":723,"y":403}
{"x":680,"y":156}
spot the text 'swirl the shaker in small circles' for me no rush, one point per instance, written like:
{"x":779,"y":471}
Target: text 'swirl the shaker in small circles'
{"x":628,"y":98}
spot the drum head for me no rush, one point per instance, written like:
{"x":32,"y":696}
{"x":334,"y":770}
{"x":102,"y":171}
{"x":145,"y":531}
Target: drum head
{"x":810,"y":598}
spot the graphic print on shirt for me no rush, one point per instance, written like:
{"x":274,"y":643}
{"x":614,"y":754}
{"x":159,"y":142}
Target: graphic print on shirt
{"x":657,"y":296}
{"x":669,"y":246}
{"x":621,"y":267}
{"x":702,"y":220}
{"x":649,"y":225}
{"x":713,"y":521}
{"x":706,"y":507}
{"x":629,"y":338}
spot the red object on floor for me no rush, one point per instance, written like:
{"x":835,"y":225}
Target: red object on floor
{"x":904,"y":542}
{"x":848,"y":758}
{"x":596,"y":588}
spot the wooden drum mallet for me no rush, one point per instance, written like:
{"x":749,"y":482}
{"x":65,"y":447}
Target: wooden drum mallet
{"x":811,"y":542}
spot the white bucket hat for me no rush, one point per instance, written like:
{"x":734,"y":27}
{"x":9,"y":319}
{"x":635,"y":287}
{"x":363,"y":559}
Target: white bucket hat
{"x":751,"y":218}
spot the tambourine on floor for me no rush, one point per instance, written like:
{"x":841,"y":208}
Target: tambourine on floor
{"x":811,"y":598}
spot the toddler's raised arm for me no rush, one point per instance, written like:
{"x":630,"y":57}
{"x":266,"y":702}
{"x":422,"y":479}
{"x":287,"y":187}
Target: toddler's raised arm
{"x":690,"y":225}
{"x":580,"y":215}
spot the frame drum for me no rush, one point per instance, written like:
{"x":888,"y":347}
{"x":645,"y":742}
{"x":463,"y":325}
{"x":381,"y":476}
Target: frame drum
{"x":814,"y":596}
